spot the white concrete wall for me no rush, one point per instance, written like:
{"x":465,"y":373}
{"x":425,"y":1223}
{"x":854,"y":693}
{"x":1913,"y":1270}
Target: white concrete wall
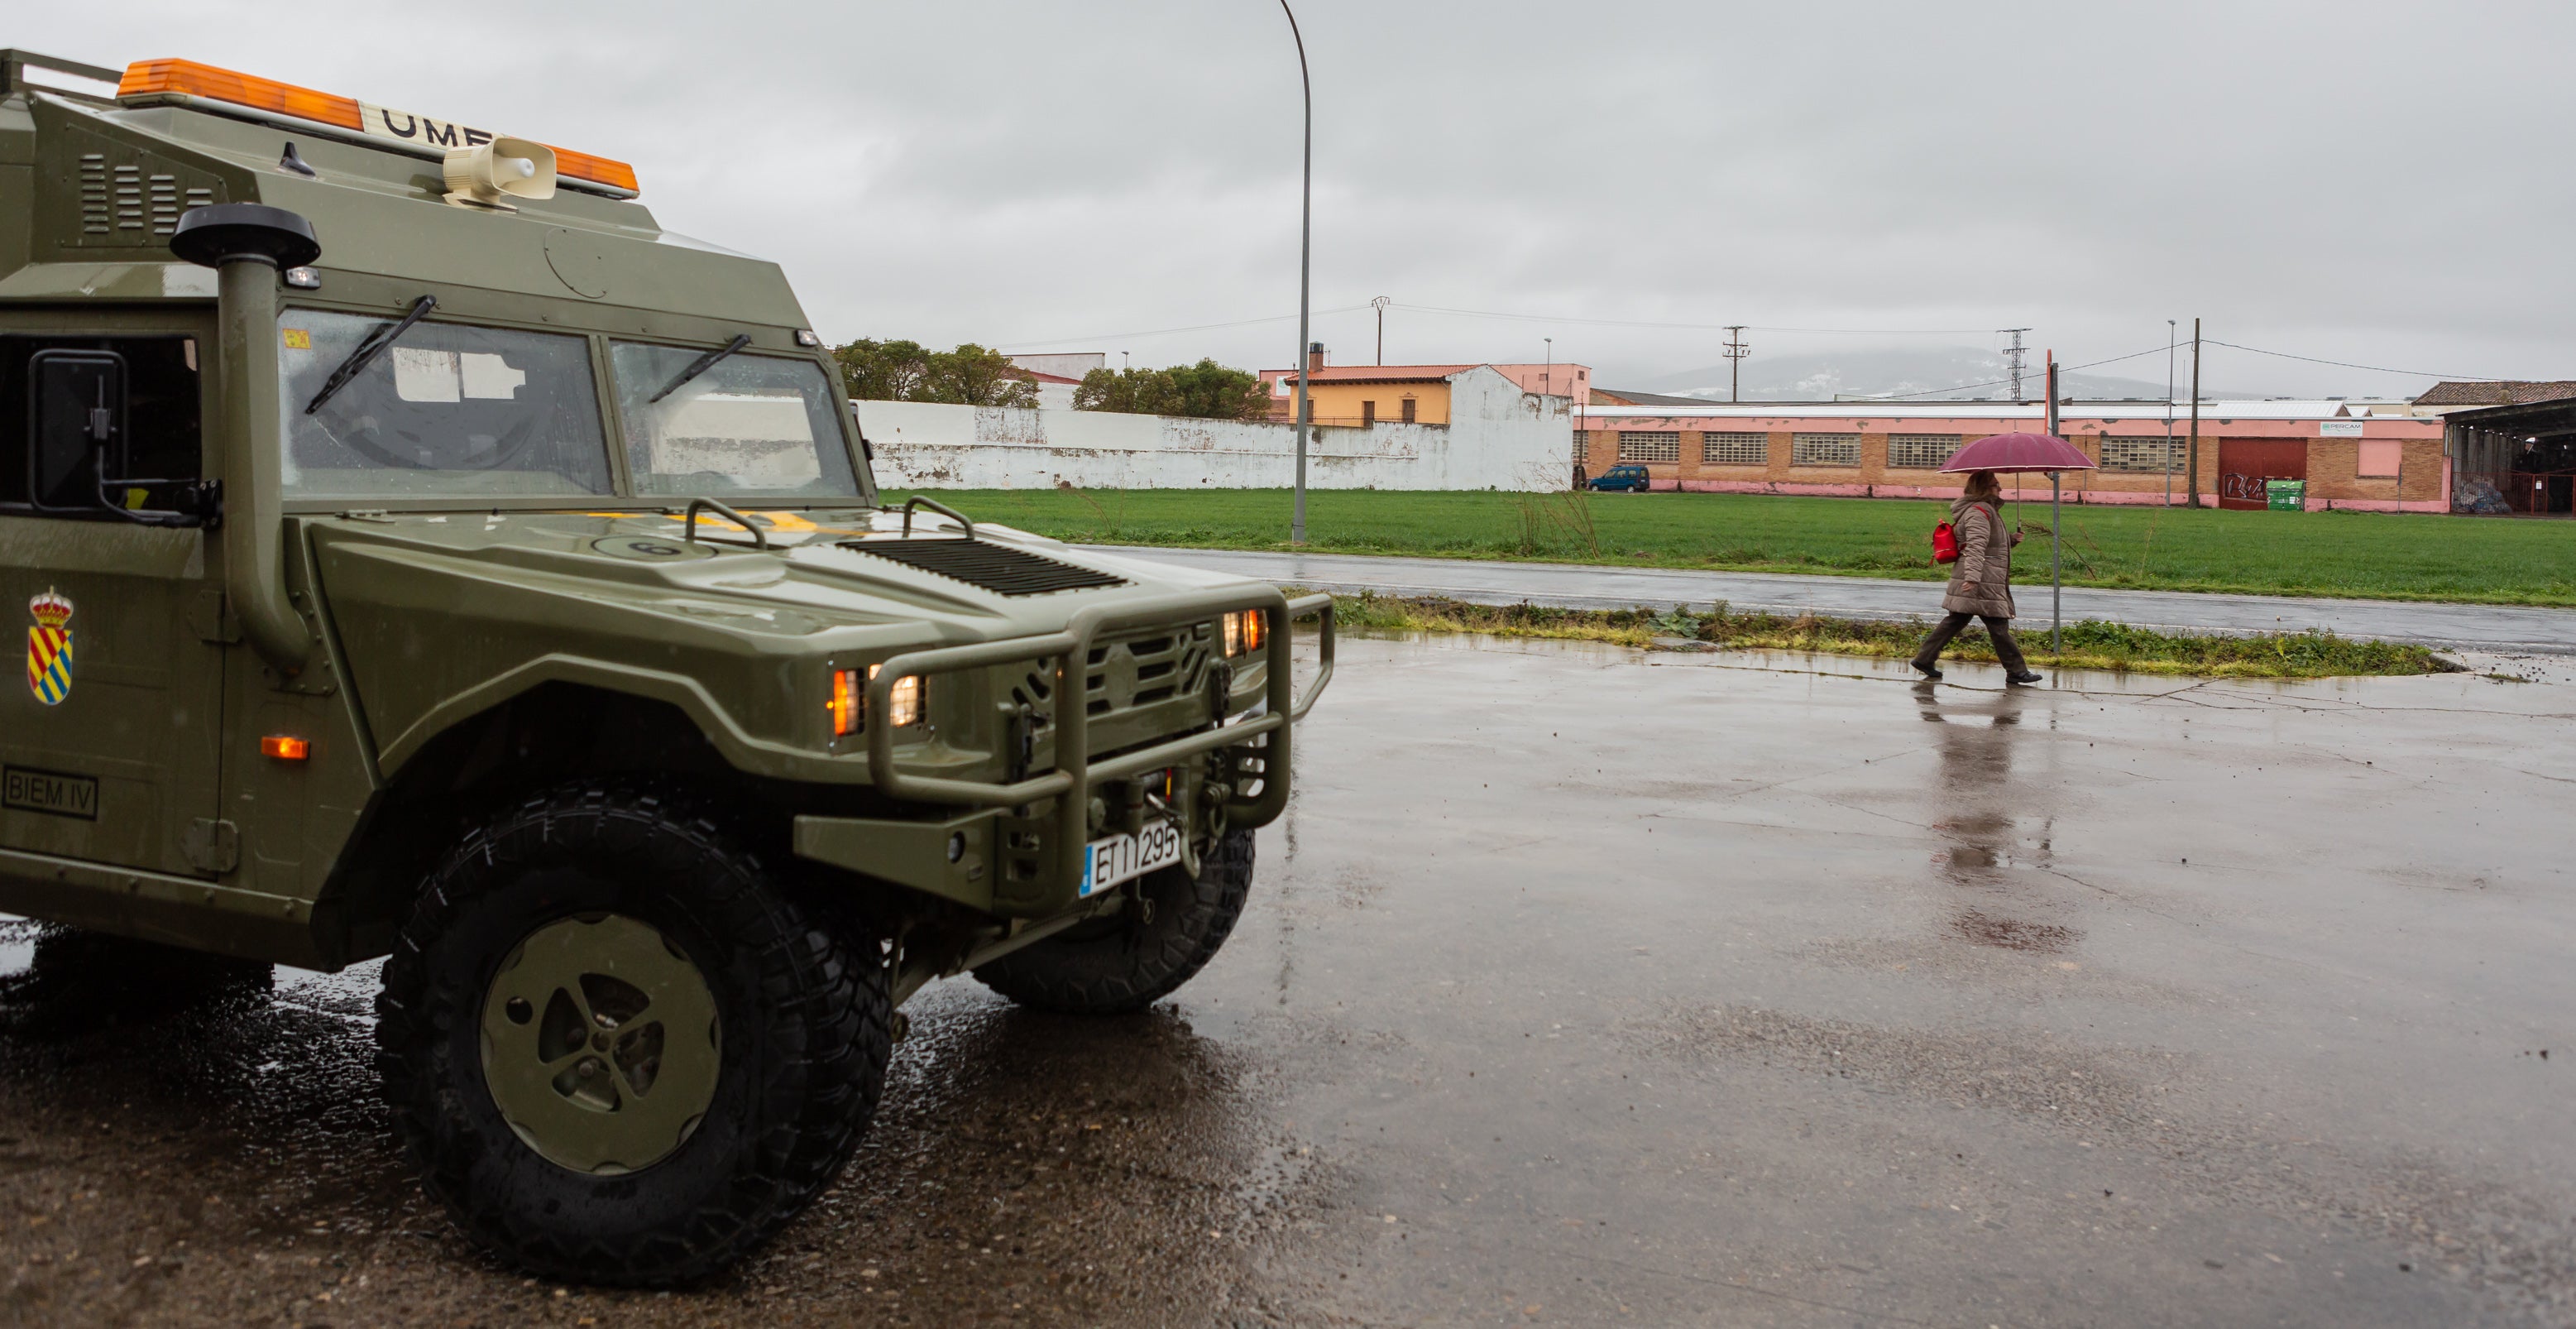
{"x":1498,"y":437}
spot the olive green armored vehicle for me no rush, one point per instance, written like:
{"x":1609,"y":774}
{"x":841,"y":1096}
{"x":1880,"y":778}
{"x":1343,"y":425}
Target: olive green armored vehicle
{"x":425,"y":555}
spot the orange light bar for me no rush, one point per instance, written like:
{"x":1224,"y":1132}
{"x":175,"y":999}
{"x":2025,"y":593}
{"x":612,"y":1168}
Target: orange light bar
{"x":285,"y":748}
{"x":144,"y":78}
{"x":597,"y":170}
{"x":147,"y":78}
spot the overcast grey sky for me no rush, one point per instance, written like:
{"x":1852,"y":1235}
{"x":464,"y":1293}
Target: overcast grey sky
{"x":2374,"y":182}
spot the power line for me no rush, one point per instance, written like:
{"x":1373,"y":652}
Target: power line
{"x":2343,"y":364}
{"x":1997,"y":383}
{"x":1158,"y":332}
{"x":1698,"y":327}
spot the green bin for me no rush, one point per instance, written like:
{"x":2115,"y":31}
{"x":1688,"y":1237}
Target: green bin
{"x":2287,"y":495}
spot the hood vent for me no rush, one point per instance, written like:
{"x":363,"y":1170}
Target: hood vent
{"x":991,"y":566}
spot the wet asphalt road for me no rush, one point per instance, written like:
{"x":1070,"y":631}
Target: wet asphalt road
{"x":1572,"y":586}
{"x":1585,"y":986}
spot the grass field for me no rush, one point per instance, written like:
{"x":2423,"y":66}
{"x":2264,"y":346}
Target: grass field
{"x":2369,"y":555}
{"x":2090,"y":644}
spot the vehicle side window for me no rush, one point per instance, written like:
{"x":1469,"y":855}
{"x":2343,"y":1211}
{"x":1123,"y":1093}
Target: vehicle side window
{"x":163,"y":432}
{"x":448,"y":410}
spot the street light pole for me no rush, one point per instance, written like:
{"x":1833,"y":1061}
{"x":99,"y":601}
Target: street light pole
{"x":1305,"y":271}
{"x":1381,"y":302}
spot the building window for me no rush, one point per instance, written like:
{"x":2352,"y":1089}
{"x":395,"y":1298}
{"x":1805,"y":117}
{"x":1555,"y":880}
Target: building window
{"x":1582,"y":444}
{"x":1650,"y":445}
{"x":2380,"y":457}
{"x":2154,"y":454}
{"x":1824,"y":449}
{"x":1408,"y":408}
{"x":1735,"y":449}
{"x":1920,"y":452}
{"x":1368,"y":413}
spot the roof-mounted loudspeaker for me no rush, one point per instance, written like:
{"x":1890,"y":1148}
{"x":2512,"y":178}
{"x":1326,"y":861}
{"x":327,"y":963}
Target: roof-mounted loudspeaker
{"x":490,"y":174}
{"x":221,"y":233}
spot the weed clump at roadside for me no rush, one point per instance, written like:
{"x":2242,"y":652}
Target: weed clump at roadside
{"x":2089,"y":644}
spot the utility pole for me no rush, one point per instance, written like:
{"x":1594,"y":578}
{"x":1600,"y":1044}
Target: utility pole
{"x":1547,"y":384}
{"x":1305,"y":279}
{"x":2014,"y":353}
{"x":2191,"y":464}
{"x":1381,"y":303}
{"x":1736,"y":350}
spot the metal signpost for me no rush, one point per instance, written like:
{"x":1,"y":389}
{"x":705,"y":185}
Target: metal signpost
{"x":2056,"y":588}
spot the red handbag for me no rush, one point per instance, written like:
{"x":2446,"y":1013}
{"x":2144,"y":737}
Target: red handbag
{"x":1945,"y":544}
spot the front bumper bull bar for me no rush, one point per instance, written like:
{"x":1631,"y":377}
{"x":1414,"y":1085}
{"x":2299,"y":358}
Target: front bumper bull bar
{"x":1070,"y":783}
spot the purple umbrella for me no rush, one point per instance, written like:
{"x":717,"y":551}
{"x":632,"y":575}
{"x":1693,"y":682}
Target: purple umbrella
{"x":2019,"y":452}
{"x":2031,"y":452}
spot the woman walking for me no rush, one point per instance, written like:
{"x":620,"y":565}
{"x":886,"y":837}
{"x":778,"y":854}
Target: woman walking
{"x":1981,"y":581}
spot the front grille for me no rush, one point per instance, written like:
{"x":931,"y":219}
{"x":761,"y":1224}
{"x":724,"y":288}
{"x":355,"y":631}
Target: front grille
{"x":991,"y":566}
{"x":1144,"y":669}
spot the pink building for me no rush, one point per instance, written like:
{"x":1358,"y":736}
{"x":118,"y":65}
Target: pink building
{"x":2366,"y":456}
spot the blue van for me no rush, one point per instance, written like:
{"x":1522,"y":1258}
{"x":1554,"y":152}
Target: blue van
{"x":1631,"y":479}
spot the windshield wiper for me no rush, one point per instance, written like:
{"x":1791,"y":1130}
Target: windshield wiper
{"x":367,"y":352}
{"x":701,"y":365}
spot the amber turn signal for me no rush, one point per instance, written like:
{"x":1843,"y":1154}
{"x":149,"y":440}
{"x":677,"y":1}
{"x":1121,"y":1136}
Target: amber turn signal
{"x":284,"y":748}
{"x":849,"y":703}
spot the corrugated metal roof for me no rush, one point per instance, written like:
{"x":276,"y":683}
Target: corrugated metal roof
{"x":2510,"y":392}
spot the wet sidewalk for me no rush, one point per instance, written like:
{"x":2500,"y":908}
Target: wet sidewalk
{"x":2504,"y":628}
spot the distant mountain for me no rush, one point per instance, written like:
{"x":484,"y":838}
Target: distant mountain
{"x":1936,"y":374}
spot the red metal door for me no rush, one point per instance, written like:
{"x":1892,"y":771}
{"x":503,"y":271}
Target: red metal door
{"x":2244,"y":464}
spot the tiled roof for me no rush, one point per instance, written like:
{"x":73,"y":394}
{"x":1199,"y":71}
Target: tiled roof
{"x":2510,"y":392}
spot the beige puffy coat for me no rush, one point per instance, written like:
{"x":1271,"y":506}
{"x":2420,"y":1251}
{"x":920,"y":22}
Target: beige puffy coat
{"x":1981,"y":581}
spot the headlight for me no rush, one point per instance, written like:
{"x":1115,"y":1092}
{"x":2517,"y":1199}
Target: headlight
{"x":849,"y":702}
{"x":1243,"y":632}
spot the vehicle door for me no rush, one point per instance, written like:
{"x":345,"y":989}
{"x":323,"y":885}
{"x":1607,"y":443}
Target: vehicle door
{"x":109,"y":748}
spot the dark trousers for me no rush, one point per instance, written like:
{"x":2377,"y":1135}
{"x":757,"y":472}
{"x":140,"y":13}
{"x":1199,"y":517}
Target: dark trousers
{"x":2000,"y":629}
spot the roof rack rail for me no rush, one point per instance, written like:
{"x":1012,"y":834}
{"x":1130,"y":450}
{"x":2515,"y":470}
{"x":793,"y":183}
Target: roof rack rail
{"x":14,"y":63}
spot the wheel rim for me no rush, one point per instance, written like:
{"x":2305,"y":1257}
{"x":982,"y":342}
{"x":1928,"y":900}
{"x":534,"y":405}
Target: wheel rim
{"x":600,"y":1043}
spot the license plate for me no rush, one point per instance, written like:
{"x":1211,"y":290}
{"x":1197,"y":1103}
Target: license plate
{"x":1119,"y":858}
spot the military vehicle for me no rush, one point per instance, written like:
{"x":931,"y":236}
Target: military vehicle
{"x":428,"y":556}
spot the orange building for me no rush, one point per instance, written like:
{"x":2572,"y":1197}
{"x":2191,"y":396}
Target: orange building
{"x":1408,"y":394}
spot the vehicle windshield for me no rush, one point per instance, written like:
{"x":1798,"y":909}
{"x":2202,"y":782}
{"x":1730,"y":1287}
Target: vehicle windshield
{"x":449,"y":410}
{"x":750,"y":424}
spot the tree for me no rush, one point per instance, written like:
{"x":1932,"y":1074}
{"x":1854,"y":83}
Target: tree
{"x":974,"y":376}
{"x":971,"y":375}
{"x":1211,"y":391}
{"x":1127,"y":391}
{"x":881,"y":370}
{"x":1206,"y":390}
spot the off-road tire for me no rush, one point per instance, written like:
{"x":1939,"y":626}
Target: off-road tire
{"x":803,"y":1016}
{"x":1120,"y":964}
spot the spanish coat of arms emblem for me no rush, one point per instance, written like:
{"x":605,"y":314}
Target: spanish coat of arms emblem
{"x":49,"y":648}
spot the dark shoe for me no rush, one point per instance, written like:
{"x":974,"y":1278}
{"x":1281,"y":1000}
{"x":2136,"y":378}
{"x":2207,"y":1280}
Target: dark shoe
{"x":2025,"y":678}
{"x":1926,"y":669}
